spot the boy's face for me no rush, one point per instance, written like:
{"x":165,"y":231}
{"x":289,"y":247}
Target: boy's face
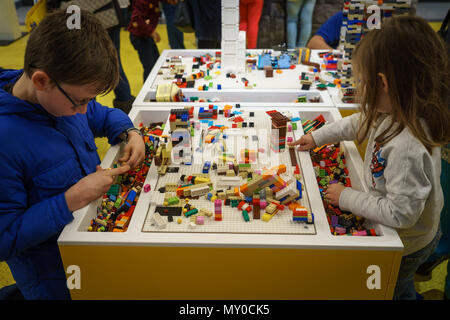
{"x":60,"y":99}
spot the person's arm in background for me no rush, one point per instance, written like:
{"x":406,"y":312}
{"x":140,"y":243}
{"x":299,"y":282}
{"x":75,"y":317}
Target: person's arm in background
{"x":317,"y":42}
{"x":327,"y":37}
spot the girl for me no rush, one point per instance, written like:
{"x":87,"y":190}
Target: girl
{"x":402,"y":71}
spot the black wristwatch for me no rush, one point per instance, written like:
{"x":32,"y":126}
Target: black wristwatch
{"x":124,"y":135}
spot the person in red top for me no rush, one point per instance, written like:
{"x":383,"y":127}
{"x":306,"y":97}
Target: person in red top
{"x":250,"y":13}
{"x":143,"y":35}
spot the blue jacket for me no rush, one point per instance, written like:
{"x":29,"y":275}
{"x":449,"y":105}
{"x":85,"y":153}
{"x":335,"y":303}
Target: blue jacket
{"x":41,"y":156}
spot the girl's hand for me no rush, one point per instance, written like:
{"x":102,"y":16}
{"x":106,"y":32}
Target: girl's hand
{"x":92,"y":187}
{"x":306,"y":143}
{"x":156,"y":37}
{"x":333,"y":193}
{"x":134,"y":152}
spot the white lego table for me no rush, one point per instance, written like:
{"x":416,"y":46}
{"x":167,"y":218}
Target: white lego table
{"x":141,"y":264}
{"x":283,"y":87}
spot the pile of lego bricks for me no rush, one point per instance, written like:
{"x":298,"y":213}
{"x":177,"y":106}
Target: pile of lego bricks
{"x":118,"y":204}
{"x":265,"y":190}
{"x":241,"y":187}
{"x":329,"y":166}
{"x":206,"y":62}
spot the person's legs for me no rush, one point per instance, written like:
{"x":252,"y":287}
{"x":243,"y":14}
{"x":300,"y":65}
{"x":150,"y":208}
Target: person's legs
{"x":442,"y":251}
{"x":254,"y":14}
{"x":404,"y":289}
{"x":154,"y":56}
{"x":176,"y":37}
{"x":208,"y":44}
{"x":122,"y":91}
{"x":145,"y":52}
{"x":11,"y":292}
{"x":243,"y":16}
{"x":306,"y":22}
{"x":292,"y":11}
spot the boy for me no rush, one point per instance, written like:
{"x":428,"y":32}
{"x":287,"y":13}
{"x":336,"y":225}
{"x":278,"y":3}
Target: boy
{"x":49,"y":165}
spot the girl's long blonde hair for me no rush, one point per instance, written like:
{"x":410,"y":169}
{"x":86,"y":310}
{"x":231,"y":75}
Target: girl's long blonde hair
{"x":415,"y":61}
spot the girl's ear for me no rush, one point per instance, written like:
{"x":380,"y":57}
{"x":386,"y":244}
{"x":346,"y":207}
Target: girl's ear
{"x":383,"y":81}
{"x":41,"y":80}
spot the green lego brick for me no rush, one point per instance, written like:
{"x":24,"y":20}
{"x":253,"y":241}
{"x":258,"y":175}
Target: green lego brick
{"x":191,"y":212}
{"x":173,"y":200}
{"x":113,"y":190}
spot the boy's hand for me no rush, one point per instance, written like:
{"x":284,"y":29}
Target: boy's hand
{"x":333,"y":193}
{"x":306,"y":143}
{"x":134,"y":152}
{"x":92,"y":187}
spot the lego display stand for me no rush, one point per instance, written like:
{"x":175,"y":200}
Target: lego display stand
{"x":220,"y":86}
{"x":145,"y":263}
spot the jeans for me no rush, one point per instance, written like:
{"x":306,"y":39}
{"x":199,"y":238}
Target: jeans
{"x":176,"y":37}
{"x":404,"y":288}
{"x":293,"y":8}
{"x":208,"y":44}
{"x":122,"y":91}
{"x":147,"y":51}
{"x":443,"y":248}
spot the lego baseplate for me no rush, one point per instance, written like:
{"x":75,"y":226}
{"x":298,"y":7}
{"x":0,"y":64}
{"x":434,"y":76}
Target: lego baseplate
{"x":217,"y":79}
{"x":233,"y":220}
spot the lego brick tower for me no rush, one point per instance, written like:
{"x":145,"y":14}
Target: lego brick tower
{"x":354,"y":27}
{"x":278,"y":132}
{"x":233,"y":40}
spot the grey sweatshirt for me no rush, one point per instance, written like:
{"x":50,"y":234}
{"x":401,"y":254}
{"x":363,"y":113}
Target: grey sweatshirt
{"x":402,"y":177}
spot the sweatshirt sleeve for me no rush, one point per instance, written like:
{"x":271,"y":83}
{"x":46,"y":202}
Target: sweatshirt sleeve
{"x":407,"y":188}
{"x":342,"y":130}
{"x":23,"y":227}
{"x":107,"y":122}
{"x":144,"y":10}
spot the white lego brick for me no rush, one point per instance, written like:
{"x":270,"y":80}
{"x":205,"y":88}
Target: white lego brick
{"x":242,"y":36}
{"x":230,"y":32}
{"x":229,"y":46}
{"x":158,"y":221}
{"x":230,"y":16}
{"x":229,"y":182}
{"x":230,"y":3}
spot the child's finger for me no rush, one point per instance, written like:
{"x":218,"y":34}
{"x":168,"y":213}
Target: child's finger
{"x":119,"y":170}
{"x":303,"y":147}
{"x":126,"y":155}
{"x":299,"y":141}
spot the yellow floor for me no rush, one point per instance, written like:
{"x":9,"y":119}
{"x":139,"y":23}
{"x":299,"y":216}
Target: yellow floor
{"x":11,"y":56}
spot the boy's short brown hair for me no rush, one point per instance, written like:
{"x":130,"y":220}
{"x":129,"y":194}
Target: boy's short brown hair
{"x":73,"y":56}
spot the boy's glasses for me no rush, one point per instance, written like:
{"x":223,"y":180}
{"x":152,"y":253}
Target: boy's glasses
{"x":74,"y":105}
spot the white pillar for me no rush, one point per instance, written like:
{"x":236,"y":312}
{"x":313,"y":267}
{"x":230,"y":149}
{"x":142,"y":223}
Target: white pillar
{"x":9,"y":22}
